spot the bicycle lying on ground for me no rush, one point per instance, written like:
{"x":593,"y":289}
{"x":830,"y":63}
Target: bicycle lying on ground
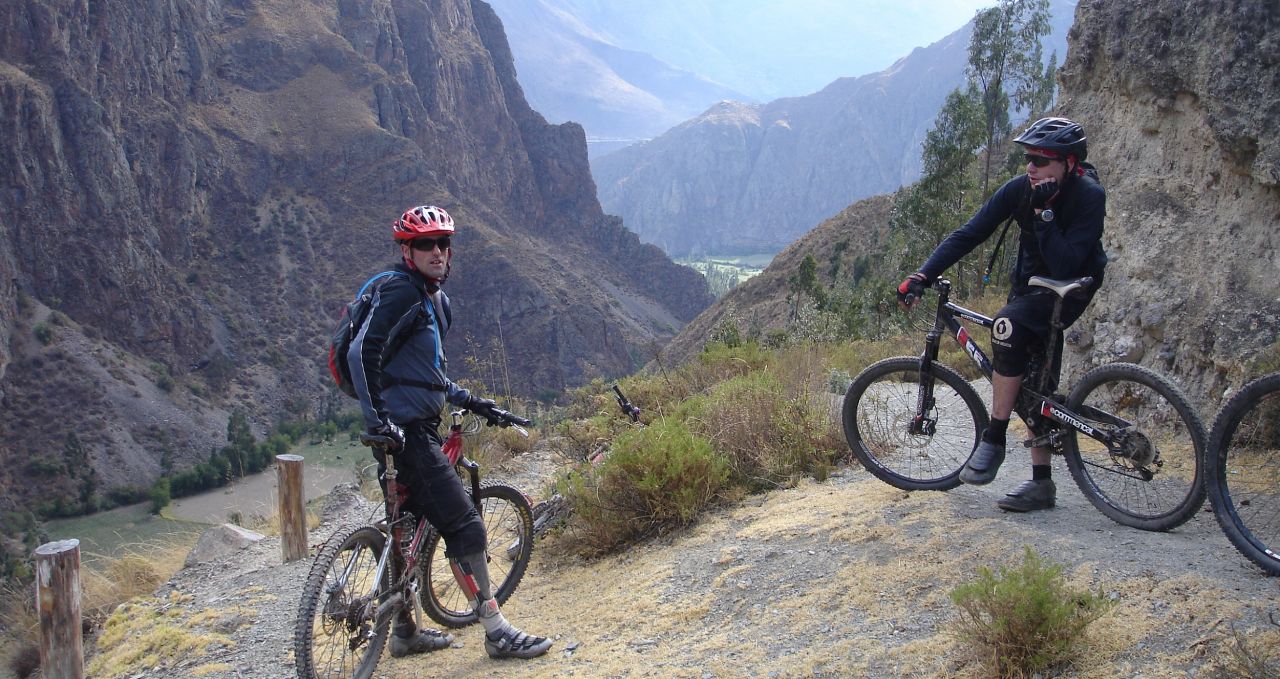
{"x":1243,"y":471}
{"x":1131,"y":440}
{"x":554,"y":511}
{"x":355,"y":589}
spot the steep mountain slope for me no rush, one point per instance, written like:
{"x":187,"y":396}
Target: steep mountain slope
{"x":1181,"y":115}
{"x":752,"y":178}
{"x":193,"y":187}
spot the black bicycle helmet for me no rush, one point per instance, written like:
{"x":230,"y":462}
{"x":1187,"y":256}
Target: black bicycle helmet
{"x":1056,"y":134}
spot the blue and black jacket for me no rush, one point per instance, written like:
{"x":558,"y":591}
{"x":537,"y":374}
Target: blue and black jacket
{"x":397,"y":361}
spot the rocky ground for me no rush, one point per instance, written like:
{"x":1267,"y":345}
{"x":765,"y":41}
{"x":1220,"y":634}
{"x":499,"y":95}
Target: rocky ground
{"x":847,"y":577}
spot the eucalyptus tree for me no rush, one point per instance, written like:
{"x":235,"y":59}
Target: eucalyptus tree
{"x":1005,"y":58}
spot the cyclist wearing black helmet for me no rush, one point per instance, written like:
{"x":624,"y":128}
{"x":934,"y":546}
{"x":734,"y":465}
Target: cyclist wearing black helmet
{"x":1059,"y":207}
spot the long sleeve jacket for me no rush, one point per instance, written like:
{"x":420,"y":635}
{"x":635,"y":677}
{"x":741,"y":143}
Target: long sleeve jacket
{"x":397,"y":361}
{"x":1067,"y":246}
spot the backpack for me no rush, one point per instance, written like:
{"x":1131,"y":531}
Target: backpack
{"x":349,"y":321}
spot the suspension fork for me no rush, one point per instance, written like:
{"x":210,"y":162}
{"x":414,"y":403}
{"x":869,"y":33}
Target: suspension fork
{"x":922,"y":424}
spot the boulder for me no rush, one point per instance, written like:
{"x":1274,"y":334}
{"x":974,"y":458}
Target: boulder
{"x":220,"y":541}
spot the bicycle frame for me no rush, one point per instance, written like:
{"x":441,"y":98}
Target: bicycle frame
{"x":1048,"y":407}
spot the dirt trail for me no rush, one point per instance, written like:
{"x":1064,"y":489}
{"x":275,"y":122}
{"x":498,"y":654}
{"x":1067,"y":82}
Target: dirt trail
{"x":849,"y":577}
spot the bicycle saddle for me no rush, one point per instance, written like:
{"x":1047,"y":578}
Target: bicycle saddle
{"x":1065,"y":287}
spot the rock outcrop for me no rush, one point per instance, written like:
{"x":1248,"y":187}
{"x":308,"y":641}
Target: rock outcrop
{"x":1181,"y":112}
{"x":189,"y":189}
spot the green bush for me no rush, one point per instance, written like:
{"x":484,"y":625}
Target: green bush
{"x":769,"y":439}
{"x":1023,"y":620}
{"x":43,"y":333}
{"x":655,"y":478}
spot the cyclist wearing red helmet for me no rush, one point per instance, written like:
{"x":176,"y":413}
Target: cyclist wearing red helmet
{"x":403,"y":399}
{"x":1059,"y":206}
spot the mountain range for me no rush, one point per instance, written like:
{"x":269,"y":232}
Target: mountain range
{"x":751,"y":178}
{"x":190,"y":191}
{"x":1177,"y":109}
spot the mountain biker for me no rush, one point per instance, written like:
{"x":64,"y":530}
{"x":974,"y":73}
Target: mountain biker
{"x":1059,"y":207}
{"x":403,"y":399}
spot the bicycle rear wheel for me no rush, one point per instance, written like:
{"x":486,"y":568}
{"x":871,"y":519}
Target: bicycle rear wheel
{"x":1152,"y":479}
{"x":508,"y":524}
{"x":1243,"y":472}
{"x":878,"y":414}
{"x":338,"y":635}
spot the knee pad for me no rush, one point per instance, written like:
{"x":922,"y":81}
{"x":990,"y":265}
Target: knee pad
{"x":1009,"y":346}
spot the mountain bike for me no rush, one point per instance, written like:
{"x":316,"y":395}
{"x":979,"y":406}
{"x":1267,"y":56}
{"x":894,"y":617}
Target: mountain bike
{"x":1243,"y":471}
{"x":355,"y":588}
{"x":1131,"y":440}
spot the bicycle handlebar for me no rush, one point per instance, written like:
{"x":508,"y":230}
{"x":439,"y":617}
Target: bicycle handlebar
{"x":503,"y":418}
{"x":628,"y":408}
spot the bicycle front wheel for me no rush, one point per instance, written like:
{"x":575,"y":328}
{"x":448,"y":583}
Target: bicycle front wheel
{"x":1151,"y":476}
{"x":879,"y":416}
{"x":1243,"y":472}
{"x":338,"y":635}
{"x":508,"y":524}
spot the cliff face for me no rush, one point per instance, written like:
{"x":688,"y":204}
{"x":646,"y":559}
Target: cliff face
{"x":189,"y":189}
{"x":1181,"y":111}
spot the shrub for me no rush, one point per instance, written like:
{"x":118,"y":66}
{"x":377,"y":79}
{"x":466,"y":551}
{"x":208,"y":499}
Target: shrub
{"x":43,"y":333}
{"x":656,"y":478}
{"x":768,"y":438}
{"x":1023,"y":620}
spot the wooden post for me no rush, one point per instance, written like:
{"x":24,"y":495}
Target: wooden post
{"x":293,"y":521}
{"x":58,"y":604}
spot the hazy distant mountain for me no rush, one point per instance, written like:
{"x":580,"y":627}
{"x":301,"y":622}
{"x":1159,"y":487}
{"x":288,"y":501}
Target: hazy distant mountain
{"x":744,"y":178}
{"x":570,"y":71}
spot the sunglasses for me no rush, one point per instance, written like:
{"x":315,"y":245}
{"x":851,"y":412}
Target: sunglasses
{"x":429,"y":244}
{"x":1038,"y":161}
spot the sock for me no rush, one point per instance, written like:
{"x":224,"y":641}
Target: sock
{"x":1040,"y":472}
{"x":495,"y":624}
{"x":996,"y":431}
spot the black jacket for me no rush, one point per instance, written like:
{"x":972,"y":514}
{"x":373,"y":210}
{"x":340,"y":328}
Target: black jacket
{"x":1069,"y":246}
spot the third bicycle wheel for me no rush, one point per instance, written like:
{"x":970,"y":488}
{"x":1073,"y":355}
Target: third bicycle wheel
{"x":1151,"y":480}
{"x":878,"y":414}
{"x":1243,"y":471}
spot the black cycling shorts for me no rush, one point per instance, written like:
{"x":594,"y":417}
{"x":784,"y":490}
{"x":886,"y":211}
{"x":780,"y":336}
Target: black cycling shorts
{"x":436,"y":491}
{"x":1022,"y":328}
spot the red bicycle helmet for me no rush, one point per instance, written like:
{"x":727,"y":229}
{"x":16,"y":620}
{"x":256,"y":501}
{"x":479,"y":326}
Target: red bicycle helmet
{"x":422,"y":221}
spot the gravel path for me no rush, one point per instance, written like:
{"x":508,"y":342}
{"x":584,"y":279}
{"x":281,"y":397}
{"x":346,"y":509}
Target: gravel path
{"x":848,"y":577}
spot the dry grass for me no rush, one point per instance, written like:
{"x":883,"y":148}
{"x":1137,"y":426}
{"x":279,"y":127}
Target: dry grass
{"x":106,"y":583}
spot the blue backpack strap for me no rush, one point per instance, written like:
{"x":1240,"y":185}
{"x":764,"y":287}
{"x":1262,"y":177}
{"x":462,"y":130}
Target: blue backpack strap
{"x":375,"y":278}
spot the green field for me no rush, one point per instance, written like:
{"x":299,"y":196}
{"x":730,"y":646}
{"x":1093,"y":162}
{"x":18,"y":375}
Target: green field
{"x":122,"y":530}
{"x":133,"y":528}
{"x":725,"y":272}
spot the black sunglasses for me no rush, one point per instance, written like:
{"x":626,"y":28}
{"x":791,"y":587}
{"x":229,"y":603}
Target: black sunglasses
{"x":428,"y":244}
{"x":1039,"y":161}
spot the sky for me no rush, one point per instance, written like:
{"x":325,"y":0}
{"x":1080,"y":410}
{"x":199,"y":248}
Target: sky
{"x":772,"y":48}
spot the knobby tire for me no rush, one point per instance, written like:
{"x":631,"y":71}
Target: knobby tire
{"x":1161,"y":416}
{"x":1243,"y":471}
{"x":877,"y":414}
{"x":338,"y":635}
{"x":508,"y":523}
